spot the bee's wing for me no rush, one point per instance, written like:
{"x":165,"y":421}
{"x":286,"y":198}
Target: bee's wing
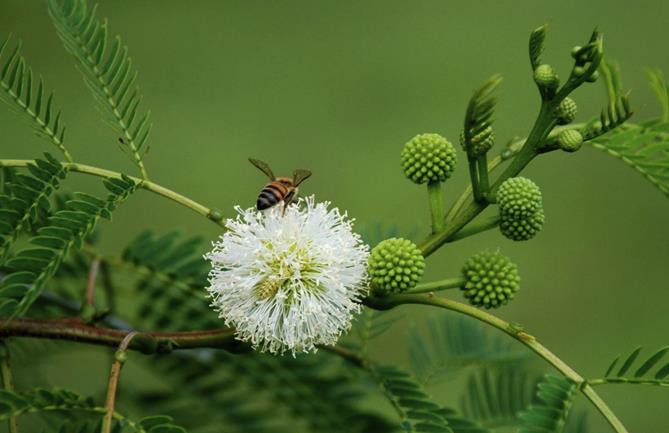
{"x":300,"y":176}
{"x":263,"y":166}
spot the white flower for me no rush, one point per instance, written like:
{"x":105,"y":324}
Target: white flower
{"x":288,"y":282}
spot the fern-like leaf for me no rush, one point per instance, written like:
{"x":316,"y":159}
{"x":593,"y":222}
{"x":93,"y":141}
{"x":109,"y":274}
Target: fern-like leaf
{"x":17,"y":89}
{"x":34,"y":266}
{"x":659,"y":86}
{"x":549,"y":414}
{"x":653,"y":370}
{"x":644,"y":148}
{"x":479,"y":114}
{"x":107,"y":69}
{"x":418,"y":412}
{"x":27,"y":197}
{"x":494,"y":397}
{"x":537,"y":38}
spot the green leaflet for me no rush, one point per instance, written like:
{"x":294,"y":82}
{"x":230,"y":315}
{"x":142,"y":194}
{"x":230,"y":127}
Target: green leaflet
{"x":638,"y":369}
{"x":644,"y":148}
{"x":32,"y":267}
{"x":18,"y":91}
{"x":42,"y":400}
{"x":107,"y":70}
{"x":27,"y":198}
{"x":549,"y":414}
{"x":418,"y":412}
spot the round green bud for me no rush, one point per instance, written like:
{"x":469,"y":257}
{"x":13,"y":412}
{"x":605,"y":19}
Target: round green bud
{"x":574,"y":51}
{"x":579,"y":70}
{"x":518,"y":197}
{"x":215,"y":215}
{"x":566,"y":112}
{"x":522,"y":229}
{"x":395,"y":265}
{"x":491,"y":279}
{"x":570,"y":140}
{"x":428,"y":158}
{"x":121,"y":356}
{"x":545,"y":76}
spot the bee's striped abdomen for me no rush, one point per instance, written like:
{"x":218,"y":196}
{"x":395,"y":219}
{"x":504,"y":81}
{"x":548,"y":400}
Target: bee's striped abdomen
{"x":273,"y":193}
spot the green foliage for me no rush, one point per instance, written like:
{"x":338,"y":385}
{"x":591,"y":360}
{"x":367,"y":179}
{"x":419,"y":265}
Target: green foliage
{"x":171,"y":295}
{"x":644,"y":148}
{"x":34,"y":266}
{"x":494,"y":397}
{"x":549,"y":414}
{"x":18,"y":91}
{"x":41,"y":400}
{"x":654,"y":370}
{"x":418,"y":412}
{"x":478,"y":133}
{"x":26,"y":199}
{"x":659,"y":86}
{"x":455,"y":342}
{"x":537,"y":39}
{"x":107,"y":70}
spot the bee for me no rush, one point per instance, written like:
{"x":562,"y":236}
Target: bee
{"x":279,"y":188}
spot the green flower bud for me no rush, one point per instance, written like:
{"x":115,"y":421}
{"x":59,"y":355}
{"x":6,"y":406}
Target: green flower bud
{"x":518,"y":197}
{"x":522,"y":229}
{"x":574,"y":51}
{"x":545,"y":76}
{"x":491,"y":279}
{"x":395,"y":265}
{"x":579,"y":70}
{"x":565,"y":113}
{"x":428,"y":158}
{"x":570,"y":140}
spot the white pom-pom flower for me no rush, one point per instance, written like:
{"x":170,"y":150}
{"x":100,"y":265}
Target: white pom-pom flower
{"x":288,"y":282}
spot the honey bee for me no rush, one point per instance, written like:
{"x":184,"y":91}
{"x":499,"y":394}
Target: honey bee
{"x":279,"y":188}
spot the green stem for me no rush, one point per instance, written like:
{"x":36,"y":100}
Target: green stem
{"x":511,"y":330}
{"x":476,"y":227}
{"x":448,"y":283}
{"x":114,"y":375}
{"x":631,"y":381}
{"x":7,"y":382}
{"x":474,"y":178}
{"x":482,"y":162}
{"x":436,"y":199}
{"x":145,"y":184}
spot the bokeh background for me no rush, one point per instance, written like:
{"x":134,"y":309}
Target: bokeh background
{"x":339,"y":87}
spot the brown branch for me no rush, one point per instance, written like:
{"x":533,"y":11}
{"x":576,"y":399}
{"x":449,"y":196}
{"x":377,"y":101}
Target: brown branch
{"x":73,"y":329}
{"x":114,"y":375}
{"x":90,"y":284}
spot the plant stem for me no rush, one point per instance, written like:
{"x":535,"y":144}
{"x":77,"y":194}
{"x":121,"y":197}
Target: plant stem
{"x":476,"y":227}
{"x":482,"y":163}
{"x":7,"y":382}
{"x":631,"y":381}
{"x":145,"y":184}
{"x":90,"y":284}
{"x":73,"y":329}
{"x":114,"y":375}
{"x":474,"y":178}
{"x":436,"y":198}
{"x":448,"y":283}
{"x":512,"y":330}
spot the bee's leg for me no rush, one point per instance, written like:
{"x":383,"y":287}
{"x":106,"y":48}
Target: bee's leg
{"x":290,"y":197}
{"x":285,"y":205}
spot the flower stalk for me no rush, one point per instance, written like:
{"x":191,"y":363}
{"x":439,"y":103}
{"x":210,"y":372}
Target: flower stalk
{"x":436,"y":200}
{"x":119,"y":360}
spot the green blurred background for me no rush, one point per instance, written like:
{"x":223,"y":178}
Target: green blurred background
{"x":338,"y":87}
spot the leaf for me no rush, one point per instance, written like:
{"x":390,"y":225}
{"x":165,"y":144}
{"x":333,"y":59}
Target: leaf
{"x":27,"y":198}
{"x":645,"y":148}
{"x":659,"y":86}
{"x":549,"y":414}
{"x":34,"y":266}
{"x":537,"y":38}
{"x":494,"y":397}
{"x":454,"y":342}
{"x":639,"y":372}
{"x":478,"y":117}
{"x":17,"y":90}
{"x":418,"y":412}
{"x":107,"y":70}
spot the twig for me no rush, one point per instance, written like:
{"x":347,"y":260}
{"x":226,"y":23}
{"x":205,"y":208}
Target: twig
{"x":114,"y":375}
{"x":7,"y":382}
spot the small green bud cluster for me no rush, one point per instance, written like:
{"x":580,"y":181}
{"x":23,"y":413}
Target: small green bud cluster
{"x":520,"y":209}
{"x":428,"y":158}
{"x":480,"y":144}
{"x":545,"y":77}
{"x":582,"y":58}
{"x":570,"y":140}
{"x":565,"y":113}
{"x":395,"y":265}
{"x":491,"y":279}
